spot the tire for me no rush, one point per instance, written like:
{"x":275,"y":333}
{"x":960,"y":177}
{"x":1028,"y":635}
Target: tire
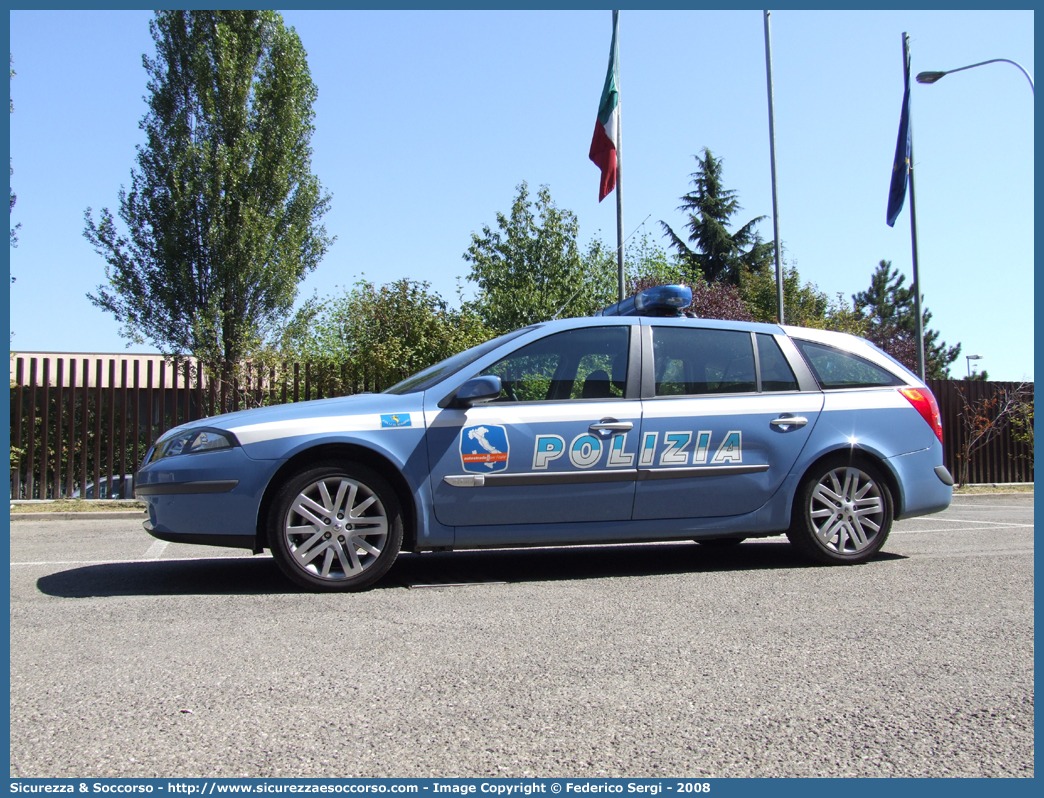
{"x":720,"y":543}
{"x":311,"y":516}
{"x":842,"y":513}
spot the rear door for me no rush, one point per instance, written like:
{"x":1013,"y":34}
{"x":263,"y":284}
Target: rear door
{"x":719,"y":434}
{"x":559,"y":445}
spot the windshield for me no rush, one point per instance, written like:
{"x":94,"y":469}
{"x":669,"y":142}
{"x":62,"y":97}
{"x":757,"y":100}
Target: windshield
{"x":425,"y":378}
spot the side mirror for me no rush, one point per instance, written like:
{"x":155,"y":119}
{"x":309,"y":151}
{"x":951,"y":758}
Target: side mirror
{"x":475,"y":390}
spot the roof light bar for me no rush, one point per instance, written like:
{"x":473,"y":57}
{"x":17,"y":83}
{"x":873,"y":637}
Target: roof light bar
{"x":661,"y":300}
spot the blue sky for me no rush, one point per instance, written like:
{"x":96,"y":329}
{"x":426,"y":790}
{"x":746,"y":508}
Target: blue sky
{"x":427,"y":121}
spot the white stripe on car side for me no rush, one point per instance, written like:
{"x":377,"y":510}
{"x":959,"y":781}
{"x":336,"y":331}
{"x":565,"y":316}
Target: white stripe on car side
{"x":367,"y":422}
{"x":865,"y":399}
{"x":549,"y":412}
{"x":562,"y":412}
{"x":755,"y":404}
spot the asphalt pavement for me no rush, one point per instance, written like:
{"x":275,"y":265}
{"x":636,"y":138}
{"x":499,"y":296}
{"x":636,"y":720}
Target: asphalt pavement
{"x":133,"y":657}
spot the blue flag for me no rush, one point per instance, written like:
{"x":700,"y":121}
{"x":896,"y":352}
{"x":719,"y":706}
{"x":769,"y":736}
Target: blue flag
{"x":901,"y":162}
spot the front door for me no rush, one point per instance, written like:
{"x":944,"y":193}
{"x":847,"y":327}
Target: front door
{"x":558,"y":445}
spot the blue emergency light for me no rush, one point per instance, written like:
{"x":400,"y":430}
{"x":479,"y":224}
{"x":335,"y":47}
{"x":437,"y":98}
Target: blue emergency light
{"x":661,"y":300}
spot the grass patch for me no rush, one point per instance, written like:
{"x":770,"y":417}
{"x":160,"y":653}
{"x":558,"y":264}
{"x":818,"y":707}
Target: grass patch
{"x":968,"y":489}
{"x":77,"y":506}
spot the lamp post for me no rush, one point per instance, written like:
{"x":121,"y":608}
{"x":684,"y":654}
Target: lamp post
{"x":970,"y":358}
{"x":772,"y":159}
{"x":931,"y":77}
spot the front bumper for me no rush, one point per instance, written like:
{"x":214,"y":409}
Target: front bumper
{"x":209,"y":498}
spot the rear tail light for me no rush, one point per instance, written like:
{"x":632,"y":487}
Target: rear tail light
{"x":925,"y":404}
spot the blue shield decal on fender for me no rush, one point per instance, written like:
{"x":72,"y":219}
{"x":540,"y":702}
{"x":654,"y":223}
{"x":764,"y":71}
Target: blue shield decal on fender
{"x":484,"y":449}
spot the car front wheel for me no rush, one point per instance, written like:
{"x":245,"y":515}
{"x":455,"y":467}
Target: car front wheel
{"x":842,"y":514}
{"x":335,"y":527}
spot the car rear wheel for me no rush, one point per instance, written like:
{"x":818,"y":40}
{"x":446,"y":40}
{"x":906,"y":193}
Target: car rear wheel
{"x":335,"y":527}
{"x":842,"y":514}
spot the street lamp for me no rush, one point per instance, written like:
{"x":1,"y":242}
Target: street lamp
{"x":931,"y":77}
{"x":970,"y":358}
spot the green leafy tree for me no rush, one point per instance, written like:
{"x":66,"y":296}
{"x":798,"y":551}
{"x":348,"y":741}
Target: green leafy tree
{"x":223,"y":214}
{"x":804,"y":305}
{"x":652,"y":266}
{"x":1022,"y":421}
{"x":887,"y":307}
{"x":530,"y":268}
{"x":384,"y":333}
{"x":716,"y":253}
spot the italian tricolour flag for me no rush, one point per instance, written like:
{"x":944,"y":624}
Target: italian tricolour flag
{"x":607,"y":127}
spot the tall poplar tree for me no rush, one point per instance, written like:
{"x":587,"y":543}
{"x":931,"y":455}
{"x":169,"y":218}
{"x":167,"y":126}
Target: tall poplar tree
{"x":223,"y":215}
{"x":717,"y":253}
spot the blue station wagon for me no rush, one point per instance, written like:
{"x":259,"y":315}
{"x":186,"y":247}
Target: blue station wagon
{"x":639,"y":424}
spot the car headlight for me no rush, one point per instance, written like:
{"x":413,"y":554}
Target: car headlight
{"x":192,"y":441}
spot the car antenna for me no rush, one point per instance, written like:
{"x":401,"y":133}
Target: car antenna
{"x":635,"y":230}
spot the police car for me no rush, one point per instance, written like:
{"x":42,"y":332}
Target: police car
{"x":639,"y":424}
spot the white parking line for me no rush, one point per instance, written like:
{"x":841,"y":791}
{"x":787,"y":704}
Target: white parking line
{"x":155,"y":551}
{"x":42,"y":563}
{"x":948,"y":555}
{"x":992,"y":506}
{"x":954,"y":529}
{"x":75,"y":562}
{"x":970,"y":521}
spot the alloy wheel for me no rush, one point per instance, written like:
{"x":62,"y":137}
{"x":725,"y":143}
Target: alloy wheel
{"x":847,"y":510}
{"x":336,"y":528}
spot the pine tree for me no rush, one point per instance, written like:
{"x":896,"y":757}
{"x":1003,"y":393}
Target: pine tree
{"x":223,"y":214}
{"x":887,"y":306}
{"x":718,"y":254}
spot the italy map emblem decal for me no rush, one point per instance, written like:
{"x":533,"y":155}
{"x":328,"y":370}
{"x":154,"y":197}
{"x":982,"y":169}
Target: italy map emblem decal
{"x":484,"y":449}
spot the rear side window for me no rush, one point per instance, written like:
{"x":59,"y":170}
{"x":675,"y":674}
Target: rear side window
{"x":776,"y":374}
{"x":836,"y":369}
{"x":699,"y":361}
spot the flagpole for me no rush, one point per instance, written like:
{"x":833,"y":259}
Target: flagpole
{"x":913,"y":221}
{"x":619,"y":139}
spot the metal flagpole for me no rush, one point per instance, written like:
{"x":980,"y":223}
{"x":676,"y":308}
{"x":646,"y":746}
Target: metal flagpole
{"x":913,"y":218}
{"x":772,"y":158}
{"x":619,"y":138}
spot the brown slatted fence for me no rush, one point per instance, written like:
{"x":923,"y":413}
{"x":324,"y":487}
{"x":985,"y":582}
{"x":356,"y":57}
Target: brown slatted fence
{"x":1003,"y":459}
{"x":92,"y":423}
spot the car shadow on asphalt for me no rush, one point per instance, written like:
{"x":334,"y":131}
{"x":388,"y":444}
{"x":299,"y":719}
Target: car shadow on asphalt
{"x":260,"y":575}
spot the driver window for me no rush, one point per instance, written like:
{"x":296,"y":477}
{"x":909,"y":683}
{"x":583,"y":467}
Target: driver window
{"x":589,"y":363}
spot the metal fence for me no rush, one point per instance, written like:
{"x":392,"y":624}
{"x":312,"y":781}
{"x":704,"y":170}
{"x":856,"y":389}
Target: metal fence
{"x":79,"y":425}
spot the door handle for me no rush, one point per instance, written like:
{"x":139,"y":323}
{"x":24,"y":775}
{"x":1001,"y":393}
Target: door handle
{"x":786,"y":420}
{"x":610,"y":425}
